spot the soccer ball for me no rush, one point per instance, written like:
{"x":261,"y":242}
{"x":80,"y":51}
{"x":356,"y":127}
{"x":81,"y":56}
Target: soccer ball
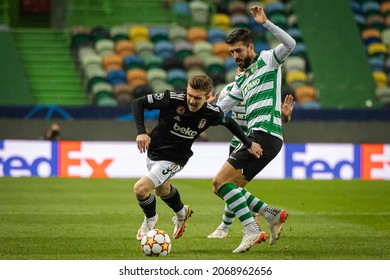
{"x":156,"y":243}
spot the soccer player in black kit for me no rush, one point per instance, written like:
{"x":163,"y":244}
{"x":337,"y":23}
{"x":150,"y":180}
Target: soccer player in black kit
{"x":183,"y":116}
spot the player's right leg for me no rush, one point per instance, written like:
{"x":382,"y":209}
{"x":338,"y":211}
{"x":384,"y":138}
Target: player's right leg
{"x":147,"y":201}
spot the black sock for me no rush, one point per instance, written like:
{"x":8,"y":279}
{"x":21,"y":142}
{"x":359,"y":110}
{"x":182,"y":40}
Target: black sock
{"x":148,"y":205}
{"x":173,"y":200}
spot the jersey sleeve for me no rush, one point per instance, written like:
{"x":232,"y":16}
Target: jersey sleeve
{"x":287,"y":43}
{"x":231,"y":99}
{"x":149,"y":102}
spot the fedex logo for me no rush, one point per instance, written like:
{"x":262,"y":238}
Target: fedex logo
{"x":322,"y":161}
{"x":51,"y":159}
{"x":21,"y":159}
{"x":375,"y":162}
{"x":77,"y":161}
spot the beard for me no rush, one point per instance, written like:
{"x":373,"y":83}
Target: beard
{"x":243,"y":64}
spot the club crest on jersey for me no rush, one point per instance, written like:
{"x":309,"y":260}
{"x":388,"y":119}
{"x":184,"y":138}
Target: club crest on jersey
{"x":159,"y":95}
{"x":180,"y":110}
{"x":202,"y":123}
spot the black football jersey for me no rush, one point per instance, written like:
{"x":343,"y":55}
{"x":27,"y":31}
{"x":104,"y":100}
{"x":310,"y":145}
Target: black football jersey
{"x":177,"y":126}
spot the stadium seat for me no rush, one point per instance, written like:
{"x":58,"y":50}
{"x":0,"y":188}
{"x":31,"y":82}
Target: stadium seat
{"x":164,"y":49}
{"x":138,"y":33}
{"x":385,"y":8}
{"x":105,"y":47}
{"x":124,"y":48}
{"x":116,"y":76}
{"x":215,"y":35}
{"x":380,"y":78}
{"x":177,"y":78}
{"x":202,"y":48}
{"x":144,"y":48}
{"x":370,"y":8}
{"x":295,"y":63}
{"x":196,"y":34}
{"x":135,"y":74}
{"x":195,"y":71}
{"x":294,"y":76}
{"x":377,"y":49}
{"x":375,"y":21}
{"x":383,"y":95}
{"x":103,"y":94}
{"x":239,"y":21}
{"x":177,"y":33}
{"x":370,"y":35}
{"x":158,"y":33}
{"x":133,"y":61}
{"x":376,"y":63}
{"x":221,"y":20}
{"x":152,"y":61}
{"x":172,"y":62}
{"x":119,"y":32}
{"x":200,"y":11}
{"x":305,"y":94}
{"x":193,"y":62}
{"x":183,"y":48}
{"x":154,"y":75}
{"x":160,"y":86}
{"x":91,"y":59}
{"x":295,"y":33}
{"x":94,"y":74}
{"x":112,"y":62}
{"x":80,"y":36}
{"x":99,"y":33}
{"x":230,"y":64}
{"x":230,"y":76}
{"x":221,"y":49}
{"x":123,"y":93}
{"x":236,"y":7}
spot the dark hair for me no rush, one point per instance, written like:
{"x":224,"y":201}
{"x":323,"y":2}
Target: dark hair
{"x":243,"y":35}
{"x":201,"y":82}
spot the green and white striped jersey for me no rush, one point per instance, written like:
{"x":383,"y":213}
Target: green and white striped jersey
{"x":238,"y":113}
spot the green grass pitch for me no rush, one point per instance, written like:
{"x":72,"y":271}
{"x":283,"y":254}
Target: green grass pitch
{"x":97,"y":219}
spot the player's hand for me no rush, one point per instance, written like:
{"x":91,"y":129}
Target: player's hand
{"x":287,"y":108}
{"x":258,"y":14}
{"x":212,"y":97}
{"x":256,"y":150}
{"x":143,"y":141}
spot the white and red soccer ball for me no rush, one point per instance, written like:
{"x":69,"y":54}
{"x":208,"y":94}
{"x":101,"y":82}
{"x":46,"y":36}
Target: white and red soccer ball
{"x":156,"y":243}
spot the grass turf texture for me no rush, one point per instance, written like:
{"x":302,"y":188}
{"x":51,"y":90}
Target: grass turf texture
{"x":97,"y":219}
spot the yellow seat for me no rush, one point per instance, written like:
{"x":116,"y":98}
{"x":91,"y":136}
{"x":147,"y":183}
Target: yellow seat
{"x":380,"y":78}
{"x":294,"y":76}
{"x":138,"y":33}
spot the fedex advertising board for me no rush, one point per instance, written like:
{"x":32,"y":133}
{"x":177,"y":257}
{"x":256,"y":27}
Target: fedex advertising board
{"x":19,"y":158}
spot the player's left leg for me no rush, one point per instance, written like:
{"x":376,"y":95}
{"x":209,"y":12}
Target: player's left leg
{"x":237,"y":203}
{"x":182,"y":212}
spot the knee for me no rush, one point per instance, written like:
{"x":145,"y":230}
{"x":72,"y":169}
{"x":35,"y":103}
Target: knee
{"x":216,"y":185}
{"x":141,"y":191}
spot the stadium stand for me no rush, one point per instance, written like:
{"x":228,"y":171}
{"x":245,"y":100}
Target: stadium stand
{"x":110,"y":38}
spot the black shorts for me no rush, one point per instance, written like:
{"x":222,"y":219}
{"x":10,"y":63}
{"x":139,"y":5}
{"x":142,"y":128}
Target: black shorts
{"x":240,"y":158}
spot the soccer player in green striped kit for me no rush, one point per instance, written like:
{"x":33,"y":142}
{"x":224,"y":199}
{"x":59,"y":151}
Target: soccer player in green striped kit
{"x":259,"y":86}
